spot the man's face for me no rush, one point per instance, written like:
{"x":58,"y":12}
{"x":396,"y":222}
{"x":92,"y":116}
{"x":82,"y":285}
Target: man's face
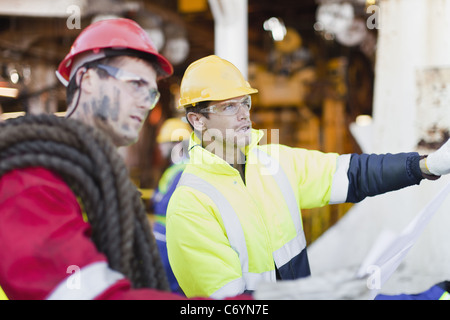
{"x":230,"y":130}
{"x":120,"y":102}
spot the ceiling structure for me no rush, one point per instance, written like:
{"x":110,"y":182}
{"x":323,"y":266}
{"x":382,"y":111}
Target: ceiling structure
{"x":47,"y":37}
{"x":42,"y":31}
{"x":299,"y":15}
{"x":35,"y":35}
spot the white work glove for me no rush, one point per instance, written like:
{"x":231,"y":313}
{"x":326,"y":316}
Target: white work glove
{"x":336,"y":285}
{"x":438,"y":162}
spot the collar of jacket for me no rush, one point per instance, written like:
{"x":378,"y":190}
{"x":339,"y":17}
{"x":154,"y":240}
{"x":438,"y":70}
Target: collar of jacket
{"x":211,"y":162}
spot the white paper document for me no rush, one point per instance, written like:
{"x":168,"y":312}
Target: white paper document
{"x":390,"y":249}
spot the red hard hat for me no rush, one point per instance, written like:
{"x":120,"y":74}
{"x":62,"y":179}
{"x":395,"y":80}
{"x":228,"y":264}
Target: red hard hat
{"x":113,"y":34}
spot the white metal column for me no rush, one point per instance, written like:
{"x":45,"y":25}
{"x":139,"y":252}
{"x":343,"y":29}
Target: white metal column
{"x":231,"y":31}
{"x":411,"y":79}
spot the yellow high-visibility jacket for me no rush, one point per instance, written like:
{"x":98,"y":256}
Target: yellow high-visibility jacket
{"x":224,"y":236}
{"x":3,"y":295}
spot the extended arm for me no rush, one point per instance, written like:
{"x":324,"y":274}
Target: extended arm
{"x":371,"y":175}
{"x":365,"y":175}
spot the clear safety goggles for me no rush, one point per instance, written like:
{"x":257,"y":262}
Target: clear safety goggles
{"x":136,"y":84}
{"x":229,"y":107}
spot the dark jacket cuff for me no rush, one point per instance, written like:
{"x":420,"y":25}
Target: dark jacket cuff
{"x":372,"y":174}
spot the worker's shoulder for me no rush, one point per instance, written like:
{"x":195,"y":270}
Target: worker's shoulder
{"x":31,"y":175}
{"x":281,"y":151}
{"x":276,"y":148}
{"x":17,"y":180}
{"x":187,"y":196}
{"x":272,"y":147}
{"x":295,"y":157}
{"x":187,"y":203}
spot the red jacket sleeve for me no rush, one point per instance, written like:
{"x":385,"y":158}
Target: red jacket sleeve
{"x":44,"y":238}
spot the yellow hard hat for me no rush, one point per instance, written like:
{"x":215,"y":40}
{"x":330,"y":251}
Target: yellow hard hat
{"x":173,"y":130}
{"x":212,"y":79}
{"x":291,"y":42}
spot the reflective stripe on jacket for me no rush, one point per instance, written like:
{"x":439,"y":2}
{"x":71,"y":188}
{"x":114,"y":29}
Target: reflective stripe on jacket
{"x":225,"y":236}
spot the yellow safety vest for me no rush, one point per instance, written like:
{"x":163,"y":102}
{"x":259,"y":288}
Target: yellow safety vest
{"x":3,"y":295}
{"x":225,"y":236}
{"x":445,"y":296}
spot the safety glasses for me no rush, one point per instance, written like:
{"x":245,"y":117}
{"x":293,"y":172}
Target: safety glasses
{"x":229,"y":107}
{"x":136,"y":84}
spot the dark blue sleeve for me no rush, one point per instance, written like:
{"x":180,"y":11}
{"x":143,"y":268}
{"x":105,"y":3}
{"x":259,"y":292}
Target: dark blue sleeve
{"x":372,"y":174}
{"x":159,"y":205}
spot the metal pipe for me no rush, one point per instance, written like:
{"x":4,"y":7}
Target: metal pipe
{"x":231,"y":31}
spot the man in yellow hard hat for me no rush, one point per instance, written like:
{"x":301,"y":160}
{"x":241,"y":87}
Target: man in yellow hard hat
{"x":235,"y":218}
{"x":173,"y":140}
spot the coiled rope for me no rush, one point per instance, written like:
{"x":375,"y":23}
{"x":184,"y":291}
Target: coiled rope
{"x":91,"y":166}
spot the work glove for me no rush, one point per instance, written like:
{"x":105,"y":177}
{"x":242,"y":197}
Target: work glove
{"x":438,"y":162}
{"x":335,"y":285}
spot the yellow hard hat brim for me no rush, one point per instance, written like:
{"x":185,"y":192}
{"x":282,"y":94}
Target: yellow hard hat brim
{"x":212,"y":79}
{"x":237,"y":92}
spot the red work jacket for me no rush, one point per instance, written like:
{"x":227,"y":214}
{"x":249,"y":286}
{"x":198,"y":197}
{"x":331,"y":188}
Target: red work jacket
{"x":43,"y":238}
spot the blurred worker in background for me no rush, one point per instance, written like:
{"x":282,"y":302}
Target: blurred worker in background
{"x":111,"y":74}
{"x":173,"y":142}
{"x":234,"y":220}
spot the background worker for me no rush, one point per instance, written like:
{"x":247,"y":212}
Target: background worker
{"x":235,"y":218}
{"x":112,"y":72}
{"x":173,"y":142}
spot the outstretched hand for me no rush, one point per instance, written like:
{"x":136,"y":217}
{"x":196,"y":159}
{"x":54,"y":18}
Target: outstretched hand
{"x":438,"y":162}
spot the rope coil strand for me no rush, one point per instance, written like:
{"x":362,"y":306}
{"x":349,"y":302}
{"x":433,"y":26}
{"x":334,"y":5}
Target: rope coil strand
{"x":89,"y":163}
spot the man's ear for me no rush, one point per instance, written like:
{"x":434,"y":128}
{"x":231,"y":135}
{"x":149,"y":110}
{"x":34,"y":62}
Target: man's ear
{"x":84,"y":78}
{"x":196,"y":120}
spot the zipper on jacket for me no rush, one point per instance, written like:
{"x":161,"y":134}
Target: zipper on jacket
{"x":259,"y":217}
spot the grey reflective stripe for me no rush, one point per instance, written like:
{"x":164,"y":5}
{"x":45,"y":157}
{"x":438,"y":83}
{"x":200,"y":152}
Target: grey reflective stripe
{"x":230,"y":219}
{"x":86,"y":283}
{"x":249,"y":281}
{"x":232,"y":288}
{"x":289,"y":250}
{"x":283,"y":183}
{"x":252,"y":279}
{"x":297,"y":244}
{"x":235,"y":234}
{"x":159,"y":236}
{"x":339,"y":187}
